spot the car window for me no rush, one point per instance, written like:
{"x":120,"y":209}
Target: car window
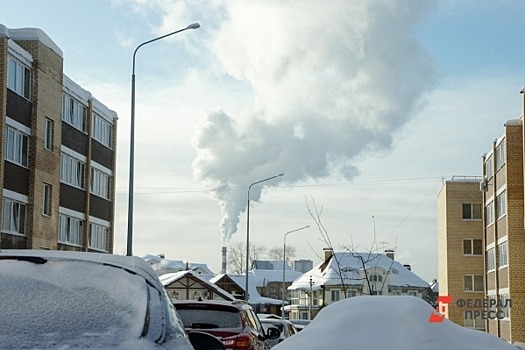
{"x":209,"y":318}
{"x":254,"y":320}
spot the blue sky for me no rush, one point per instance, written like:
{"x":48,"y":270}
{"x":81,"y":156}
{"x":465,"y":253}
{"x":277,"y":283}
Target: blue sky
{"x":364,"y":106}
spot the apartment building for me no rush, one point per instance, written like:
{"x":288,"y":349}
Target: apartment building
{"x":460,"y":249}
{"x":57,"y":177}
{"x":504,"y":234}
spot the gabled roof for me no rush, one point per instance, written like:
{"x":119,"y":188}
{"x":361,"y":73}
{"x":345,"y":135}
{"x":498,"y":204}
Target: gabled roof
{"x":171,"y":278}
{"x":270,"y":265}
{"x":350,"y":266}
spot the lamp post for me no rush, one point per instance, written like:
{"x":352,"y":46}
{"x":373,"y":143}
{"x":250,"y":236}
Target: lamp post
{"x":132,"y":138}
{"x":284,"y":266}
{"x":246,"y":294}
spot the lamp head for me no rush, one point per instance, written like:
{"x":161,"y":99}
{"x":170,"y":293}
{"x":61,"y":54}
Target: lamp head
{"x":193,"y":26}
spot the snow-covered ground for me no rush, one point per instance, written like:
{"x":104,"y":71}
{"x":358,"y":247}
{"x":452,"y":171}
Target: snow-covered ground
{"x":387,"y":322}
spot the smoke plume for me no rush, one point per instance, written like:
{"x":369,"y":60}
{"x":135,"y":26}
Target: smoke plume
{"x":329,"y":81}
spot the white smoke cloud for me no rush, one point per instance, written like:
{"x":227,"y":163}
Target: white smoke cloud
{"x":329,"y":81}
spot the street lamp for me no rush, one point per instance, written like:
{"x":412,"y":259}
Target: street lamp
{"x":246,"y":294}
{"x":132,"y":137}
{"x":284,"y":266}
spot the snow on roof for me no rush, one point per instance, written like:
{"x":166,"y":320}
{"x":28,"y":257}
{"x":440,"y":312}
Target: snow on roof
{"x":30,"y":34}
{"x":350,"y":264}
{"x":169,"y":278}
{"x":387,"y":322}
{"x":253,"y":295}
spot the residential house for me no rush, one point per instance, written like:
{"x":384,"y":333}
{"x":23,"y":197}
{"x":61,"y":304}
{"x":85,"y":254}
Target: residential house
{"x":348,"y":274}
{"x":189,"y":285}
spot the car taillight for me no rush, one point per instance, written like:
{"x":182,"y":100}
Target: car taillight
{"x":241,"y":341}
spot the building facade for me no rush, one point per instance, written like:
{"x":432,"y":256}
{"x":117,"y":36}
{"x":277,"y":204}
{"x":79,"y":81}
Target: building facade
{"x":58,"y":146}
{"x":504,"y":233}
{"x":460,"y":248}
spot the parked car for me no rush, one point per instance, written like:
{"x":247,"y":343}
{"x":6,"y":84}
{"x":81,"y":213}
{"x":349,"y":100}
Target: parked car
{"x":286,"y":327}
{"x":300,"y":324}
{"x":234,"y":322}
{"x":78,"y":300}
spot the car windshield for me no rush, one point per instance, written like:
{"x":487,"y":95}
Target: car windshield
{"x":57,"y":302}
{"x":209,"y":318}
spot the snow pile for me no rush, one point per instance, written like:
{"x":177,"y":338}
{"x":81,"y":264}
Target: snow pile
{"x":386,"y":322}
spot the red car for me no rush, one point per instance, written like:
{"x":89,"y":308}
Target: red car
{"x":234,"y":322}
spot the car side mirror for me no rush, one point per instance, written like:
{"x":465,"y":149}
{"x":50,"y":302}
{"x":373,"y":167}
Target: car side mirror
{"x":273,"y":333}
{"x":205,"y":341}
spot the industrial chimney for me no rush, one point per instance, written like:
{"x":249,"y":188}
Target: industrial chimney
{"x":223,"y":270}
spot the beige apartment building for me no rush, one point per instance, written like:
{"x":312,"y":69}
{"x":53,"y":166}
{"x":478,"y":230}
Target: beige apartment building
{"x":460,"y":249}
{"x":58,"y":146}
{"x":504,"y":234}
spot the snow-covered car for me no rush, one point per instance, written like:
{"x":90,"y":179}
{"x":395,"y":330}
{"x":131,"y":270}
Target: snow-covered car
{"x":78,"y":300}
{"x":300,"y":324}
{"x":286,"y":327}
{"x":387,"y":322}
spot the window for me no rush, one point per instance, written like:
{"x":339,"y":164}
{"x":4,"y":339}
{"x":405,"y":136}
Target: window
{"x":504,"y":302}
{"x":17,"y":146}
{"x":472,"y":247}
{"x":14,"y":217}
{"x":74,"y":113}
{"x":376,"y":278}
{"x":501,"y":205}
{"x":490,"y":213}
{"x":102,"y":130}
{"x":473,"y":322}
{"x":46,"y":205}
{"x":70,"y":230}
{"x":98,"y":237}
{"x":48,"y":137}
{"x":488,"y":168}
{"x":335,"y":295}
{"x":502,"y":254}
{"x":500,"y":155}
{"x":100,"y":183}
{"x":491,"y":262}
{"x":19,"y":78}
{"x":473,"y":283}
{"x":71,"y":171}
{"x":471,"y":211}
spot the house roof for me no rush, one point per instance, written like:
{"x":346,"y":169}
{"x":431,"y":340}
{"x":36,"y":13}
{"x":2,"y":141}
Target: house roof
{"x":170,"y":278}
{"x":350,"y":267}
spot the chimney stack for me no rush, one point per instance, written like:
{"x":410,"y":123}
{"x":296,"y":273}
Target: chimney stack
{"x":328,"y":252}
{"x":223,"y":270}
{"x":390,"y":253}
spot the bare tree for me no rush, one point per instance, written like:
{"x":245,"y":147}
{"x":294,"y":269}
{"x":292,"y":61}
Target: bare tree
{"x":236,"y":257}
{"x":276,"y":253}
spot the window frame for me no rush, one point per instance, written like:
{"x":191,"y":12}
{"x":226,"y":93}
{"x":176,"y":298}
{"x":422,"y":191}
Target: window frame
{"x":74,"y":230}
{"x":46,"y":199}
{"x":98,"y":237}
{"x":503,"y":258}
{"x":74,"y":112}
{"x":72,"y":171}
{"x":17,"y":224}
{"x":471,"y":216}
{"x":16,"y":146}
{"x":19,"y":78}
{"x":472,"y":247}
{"x":490,"y":259}
{"x":49,"y":134}
{"x":102,"y":130}
{"x":100,"y":183}
{"x":472,"y":280}
{"x":501,"y":205}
